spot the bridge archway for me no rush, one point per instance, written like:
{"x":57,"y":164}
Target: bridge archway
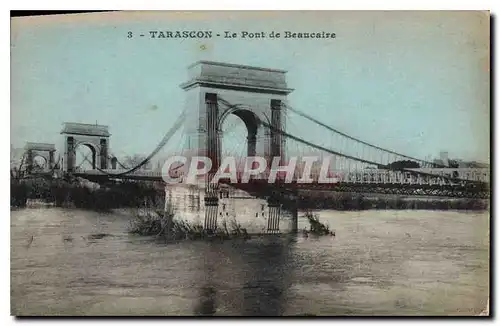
{"x":114,"y":161}
{"x":93,"y":136}
{"x":243,"y":115}
{"x":40,"y":162}
{"x":217,"y":90}
{"x":86,"y":158}
{"x":39,"y":156}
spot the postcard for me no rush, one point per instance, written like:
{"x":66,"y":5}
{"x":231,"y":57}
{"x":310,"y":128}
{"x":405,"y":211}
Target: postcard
{"x":250,"y":163}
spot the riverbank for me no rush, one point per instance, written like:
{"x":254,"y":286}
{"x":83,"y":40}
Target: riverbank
{"x":80,"y":193}
{"x":86,"y":195}
{"x":356,"y":202}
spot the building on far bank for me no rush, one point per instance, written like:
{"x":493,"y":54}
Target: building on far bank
{"x":444,"y":160}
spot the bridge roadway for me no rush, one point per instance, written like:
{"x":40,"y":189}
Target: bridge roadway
{"x":366,"y":181}
{"x":379,"y":176}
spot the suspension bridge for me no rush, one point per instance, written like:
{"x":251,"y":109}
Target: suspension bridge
{"x":272,"y":128}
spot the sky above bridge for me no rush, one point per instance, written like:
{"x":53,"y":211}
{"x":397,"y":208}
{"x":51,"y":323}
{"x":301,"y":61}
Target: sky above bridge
{"x":416,"y":83}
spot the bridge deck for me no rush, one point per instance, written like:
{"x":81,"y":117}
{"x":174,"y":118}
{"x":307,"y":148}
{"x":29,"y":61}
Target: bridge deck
{"x":403,"y":185}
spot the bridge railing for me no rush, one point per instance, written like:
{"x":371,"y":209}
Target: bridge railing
{"x":376,"y":176}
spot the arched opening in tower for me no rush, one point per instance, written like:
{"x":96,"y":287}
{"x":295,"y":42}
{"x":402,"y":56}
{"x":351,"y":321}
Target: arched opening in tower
{"x":39,"y":163}
{"x":238,"y":137}
{"x":85,"y":157}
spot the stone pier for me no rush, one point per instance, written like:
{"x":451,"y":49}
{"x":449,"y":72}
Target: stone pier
{"x":257,"y":216}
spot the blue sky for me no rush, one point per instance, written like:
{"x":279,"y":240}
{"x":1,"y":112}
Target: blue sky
{"x":417,"y":83}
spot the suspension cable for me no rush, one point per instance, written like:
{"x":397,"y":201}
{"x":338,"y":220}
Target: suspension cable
{"x":85,"y":158}
{"x":304,"y":115}
{"x":303,"y":141}
{"x":111,"y":156}
{"x":178,"y":123}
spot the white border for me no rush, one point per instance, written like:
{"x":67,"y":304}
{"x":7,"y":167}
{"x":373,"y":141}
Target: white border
{"x":188,"y":5}
{"x":255,"y":5}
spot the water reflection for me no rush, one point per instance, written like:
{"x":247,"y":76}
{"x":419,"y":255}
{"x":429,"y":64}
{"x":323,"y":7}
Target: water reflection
{"x":268,"y":277}
{"x":245,"y":278}
{"x":207,"y":305}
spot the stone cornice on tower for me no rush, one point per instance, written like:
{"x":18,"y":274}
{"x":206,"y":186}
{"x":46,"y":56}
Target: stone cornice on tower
{"x":237,"y":77}
{"x":39,"y":147}
{"x":85,"y":129}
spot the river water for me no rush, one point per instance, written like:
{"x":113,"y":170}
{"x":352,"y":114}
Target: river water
{"x":73,"y":262}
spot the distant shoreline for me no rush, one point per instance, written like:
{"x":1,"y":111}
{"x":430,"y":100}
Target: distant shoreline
{"x":133,"y":195}
{"x":41,"y":204}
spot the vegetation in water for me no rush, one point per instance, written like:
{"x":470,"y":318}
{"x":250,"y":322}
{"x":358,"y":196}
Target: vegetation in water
{"x":316,"y":227}
{"x":163,"y":224}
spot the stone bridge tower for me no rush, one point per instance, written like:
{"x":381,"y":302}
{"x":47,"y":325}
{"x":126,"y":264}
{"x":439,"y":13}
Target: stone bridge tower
{"x":43,"y":150}
{"x":94,"y":136}
{"x":255,"y":94}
